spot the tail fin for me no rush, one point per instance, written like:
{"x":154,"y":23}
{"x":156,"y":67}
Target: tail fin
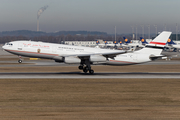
{"x":143,"y":41}
{"x":161,"y":39}
{"x":105,"y":42}
{"x":170,"y":42}
{"x":97,"y":42}
{"x":126,"y":40}
{"x":120,"y":42}
{"x":115,"y":42}
{"x":156,"y":46}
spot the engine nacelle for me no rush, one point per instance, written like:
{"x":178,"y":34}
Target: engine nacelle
{"x":72,"y":60}
{"x":58,"y":59}
{"x":97,"y":58}
{"x":76,"y":60}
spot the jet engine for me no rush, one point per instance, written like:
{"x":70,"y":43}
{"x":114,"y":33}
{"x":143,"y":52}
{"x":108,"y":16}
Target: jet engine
{"x":58,"y":59}
{"x":72,"y":60}
{"x":97,"y":58}
{"x":76,"y":60}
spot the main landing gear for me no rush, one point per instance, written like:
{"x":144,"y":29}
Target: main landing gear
{"x":87,"y":67}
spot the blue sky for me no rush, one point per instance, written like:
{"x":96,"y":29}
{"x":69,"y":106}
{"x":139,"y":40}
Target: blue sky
{"x":90,"y":15}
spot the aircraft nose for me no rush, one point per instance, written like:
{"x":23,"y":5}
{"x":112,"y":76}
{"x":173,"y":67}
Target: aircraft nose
{"x":3,"y":47}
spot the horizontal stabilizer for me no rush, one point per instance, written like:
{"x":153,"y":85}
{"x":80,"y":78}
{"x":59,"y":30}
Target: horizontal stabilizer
{"x":154,"y":57}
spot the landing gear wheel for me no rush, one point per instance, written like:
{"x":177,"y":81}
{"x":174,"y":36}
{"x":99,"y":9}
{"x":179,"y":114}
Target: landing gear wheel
{"x":19,"y":61}
{"x":91,"y":71}
{"x":85,"y":70}
{"x":86,"y":62}
{"x":81,"y":67}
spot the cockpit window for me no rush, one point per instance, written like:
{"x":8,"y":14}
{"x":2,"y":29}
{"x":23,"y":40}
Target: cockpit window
{"x":9,"y":44}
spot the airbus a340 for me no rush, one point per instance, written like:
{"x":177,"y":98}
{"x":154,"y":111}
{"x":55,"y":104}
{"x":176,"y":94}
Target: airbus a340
{"x":86,"y":56}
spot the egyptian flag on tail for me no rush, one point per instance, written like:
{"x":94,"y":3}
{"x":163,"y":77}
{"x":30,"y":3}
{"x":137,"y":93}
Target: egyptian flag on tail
{"x":155,"y":47}
{"x":160,"y":40}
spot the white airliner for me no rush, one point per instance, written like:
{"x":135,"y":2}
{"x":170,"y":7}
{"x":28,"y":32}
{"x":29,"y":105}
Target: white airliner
{"x":172,"y":44}
{"x":86,"y":56}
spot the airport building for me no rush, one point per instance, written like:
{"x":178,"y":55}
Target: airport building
{"x":86,"y":43}
{"x":93,"y":43}
{"x":81,"y":43}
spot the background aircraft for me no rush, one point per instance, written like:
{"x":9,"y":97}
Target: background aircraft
{"x":171,"y":43}
{"x":143,"y":41}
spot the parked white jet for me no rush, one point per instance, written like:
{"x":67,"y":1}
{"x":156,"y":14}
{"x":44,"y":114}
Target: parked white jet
{"x":128,"y":43}
{"x":86,"y":56}
{"x":171,"y":43}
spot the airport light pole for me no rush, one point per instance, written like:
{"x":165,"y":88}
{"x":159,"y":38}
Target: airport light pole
{"x":142,"y":30}
{"x":155,"y":28}
{"x":149,"y":31}
{"x":164,"y":27}
{"x":115,"y":33}
{"x":132,"y":32}
{"x":136,"y":32}
{"x":176,"y":31}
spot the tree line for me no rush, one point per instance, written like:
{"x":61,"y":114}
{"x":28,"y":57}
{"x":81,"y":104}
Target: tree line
{"x":63,"y":38}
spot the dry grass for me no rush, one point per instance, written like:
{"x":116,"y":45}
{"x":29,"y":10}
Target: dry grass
{"x":94,"y":99}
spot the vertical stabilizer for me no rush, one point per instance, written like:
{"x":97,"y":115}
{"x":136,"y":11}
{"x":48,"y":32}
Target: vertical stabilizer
{"x":156,"y":46}
{"x":161,"y":39}
{"x":170,"y":42}
{"x":126,"y":40}
{"x":143,"y":41}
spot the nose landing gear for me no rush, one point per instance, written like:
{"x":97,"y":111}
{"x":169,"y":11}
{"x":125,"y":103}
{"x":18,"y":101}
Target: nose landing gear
{"x":20,"y":59}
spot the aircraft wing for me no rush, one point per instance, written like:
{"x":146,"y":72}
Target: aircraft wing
{"x":107,"y":55}
{"x":113,"y":54}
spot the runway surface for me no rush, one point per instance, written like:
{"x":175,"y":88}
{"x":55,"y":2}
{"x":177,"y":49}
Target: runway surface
{"x":79,"y":75}
{"x":12,"y":62}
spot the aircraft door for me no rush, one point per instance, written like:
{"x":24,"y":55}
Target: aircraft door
{"x":38,"y":50}
{"x":54,"y":49}
{"x":20,"y":45}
